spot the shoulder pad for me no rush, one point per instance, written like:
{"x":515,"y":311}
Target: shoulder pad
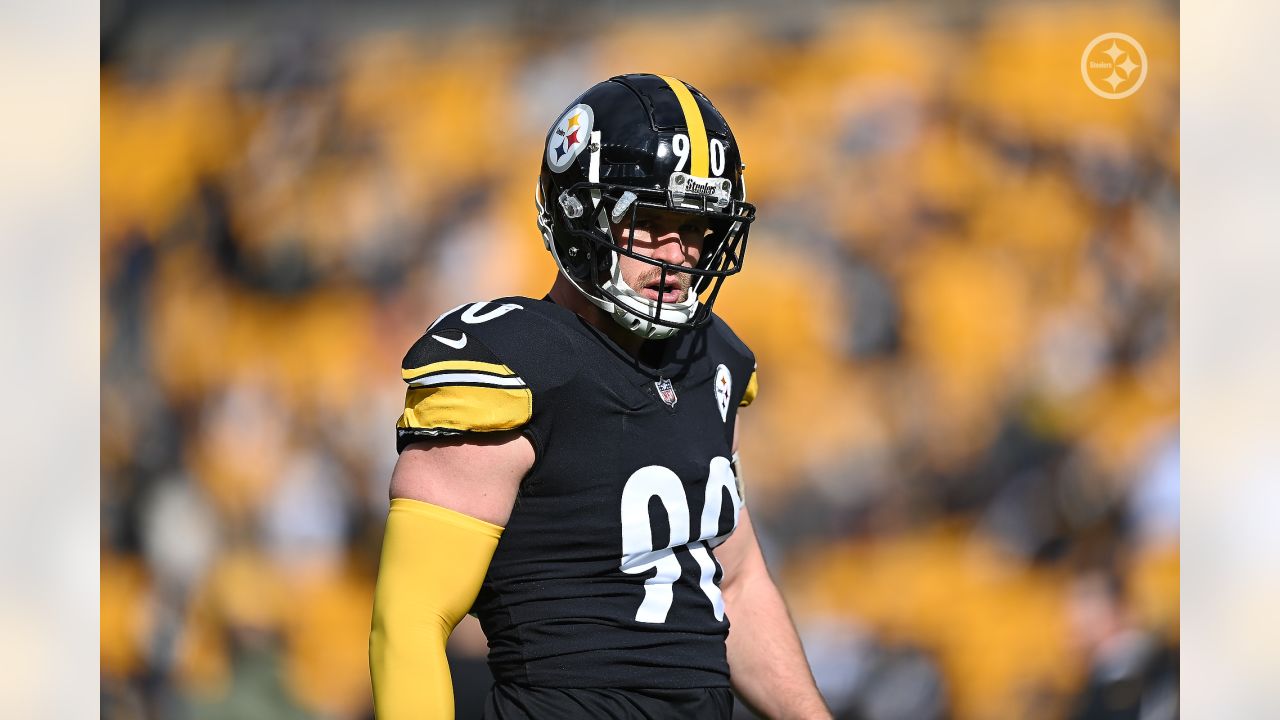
{"x":457,"y":384}
{"x":746,"y":358}
{"x":721,"y":329}
{"x":478,"y":316}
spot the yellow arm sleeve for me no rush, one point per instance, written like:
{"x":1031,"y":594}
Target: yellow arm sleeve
{"x":433,"y":562}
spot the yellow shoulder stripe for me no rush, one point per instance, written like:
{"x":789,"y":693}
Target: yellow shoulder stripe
{"x":467,"y":408}
{"x":750,"y":393}
{"x":456,"y":365}
{"x":699,"y":151}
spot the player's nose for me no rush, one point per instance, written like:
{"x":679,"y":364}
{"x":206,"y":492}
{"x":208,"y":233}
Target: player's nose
{"x":669,"y":247}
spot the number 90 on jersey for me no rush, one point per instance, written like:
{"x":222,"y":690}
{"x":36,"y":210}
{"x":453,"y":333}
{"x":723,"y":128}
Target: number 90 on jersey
{"x":638,"y":552}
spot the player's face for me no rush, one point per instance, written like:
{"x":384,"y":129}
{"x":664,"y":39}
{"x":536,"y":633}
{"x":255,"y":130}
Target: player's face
{"x":672,"y":237}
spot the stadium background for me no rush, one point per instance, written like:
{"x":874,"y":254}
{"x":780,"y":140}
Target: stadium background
{"x":962,"y":291}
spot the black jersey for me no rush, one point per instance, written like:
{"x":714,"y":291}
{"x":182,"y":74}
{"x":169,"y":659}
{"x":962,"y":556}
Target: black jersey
{"x":604,"y":575}
{"x":507,"y":701}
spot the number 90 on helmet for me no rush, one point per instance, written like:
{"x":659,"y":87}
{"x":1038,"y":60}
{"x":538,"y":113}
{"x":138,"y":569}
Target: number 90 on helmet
{"x":638,"y":142}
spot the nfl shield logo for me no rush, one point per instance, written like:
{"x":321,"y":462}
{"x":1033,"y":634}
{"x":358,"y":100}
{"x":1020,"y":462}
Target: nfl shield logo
{"x":666,"y":391}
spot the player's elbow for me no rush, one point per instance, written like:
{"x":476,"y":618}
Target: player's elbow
{"x":407,"y":663}
{"x":396,"y":638}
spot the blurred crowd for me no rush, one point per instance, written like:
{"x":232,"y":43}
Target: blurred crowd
{"x":962,"y":290}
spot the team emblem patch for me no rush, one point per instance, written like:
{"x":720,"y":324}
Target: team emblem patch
{"x":570,"y":137}
{"x":666,"y":391}
{"x":724,"y":385}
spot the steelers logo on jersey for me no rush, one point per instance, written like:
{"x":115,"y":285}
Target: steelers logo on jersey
{"x":723,"y":388}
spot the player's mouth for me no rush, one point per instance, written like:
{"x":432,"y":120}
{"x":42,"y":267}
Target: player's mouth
{"x":675,"y":292}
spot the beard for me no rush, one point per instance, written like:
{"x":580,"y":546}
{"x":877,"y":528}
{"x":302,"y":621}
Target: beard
{"x":649,"y":278}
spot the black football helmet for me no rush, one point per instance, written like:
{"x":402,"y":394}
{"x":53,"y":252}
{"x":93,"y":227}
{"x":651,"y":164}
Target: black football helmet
{"x":642,"y":141}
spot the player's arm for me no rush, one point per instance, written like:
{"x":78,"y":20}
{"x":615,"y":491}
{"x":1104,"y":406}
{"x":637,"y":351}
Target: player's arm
{"x":767,"y":667}
{"x":450,"y":500}
{"x":463,"y":456}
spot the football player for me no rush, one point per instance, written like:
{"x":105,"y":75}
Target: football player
{"x":567,"y":467}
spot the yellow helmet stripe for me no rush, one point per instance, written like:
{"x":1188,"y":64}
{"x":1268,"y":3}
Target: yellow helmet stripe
{"x":698,"y":149}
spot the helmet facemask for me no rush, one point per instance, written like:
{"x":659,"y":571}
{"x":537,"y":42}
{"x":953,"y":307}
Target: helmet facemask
{"x":577,"y":230}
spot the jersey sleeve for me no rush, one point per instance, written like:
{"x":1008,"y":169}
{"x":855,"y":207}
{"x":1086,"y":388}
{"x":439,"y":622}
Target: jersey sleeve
{"x":485,"y":367}
{"x":457,"y":385}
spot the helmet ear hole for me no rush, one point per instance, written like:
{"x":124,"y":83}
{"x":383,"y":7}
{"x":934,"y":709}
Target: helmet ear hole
{"x":578,"y":258}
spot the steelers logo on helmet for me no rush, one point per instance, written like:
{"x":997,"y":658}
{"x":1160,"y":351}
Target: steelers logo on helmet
{"x":663,"y":148}
{"x":570,"y":137}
